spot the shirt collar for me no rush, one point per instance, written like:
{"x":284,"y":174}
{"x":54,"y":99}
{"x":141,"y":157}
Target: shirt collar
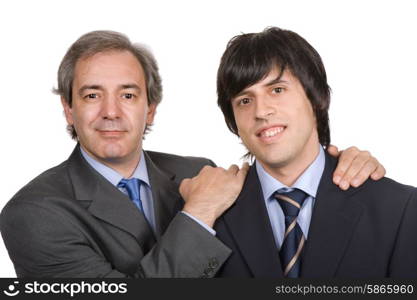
{"x":141,"y":171}
{"x":307,"y":182}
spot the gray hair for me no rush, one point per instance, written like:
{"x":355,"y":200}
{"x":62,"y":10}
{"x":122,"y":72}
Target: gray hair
{"x":101,"y":41}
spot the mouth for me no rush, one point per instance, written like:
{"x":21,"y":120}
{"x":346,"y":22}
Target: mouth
{"x":271,"y":133}
{"x":110,"y":133}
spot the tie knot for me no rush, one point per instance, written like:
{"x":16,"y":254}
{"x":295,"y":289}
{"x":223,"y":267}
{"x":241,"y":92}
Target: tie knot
{"x":132,"y":187}
{"x":131,"y":183}
{"x":291,"y":202}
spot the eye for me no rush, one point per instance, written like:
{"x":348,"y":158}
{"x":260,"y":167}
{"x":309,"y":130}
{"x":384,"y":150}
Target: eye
{"x":278,"y":90}
{"x":128,"y":96}
{"x":244,"y":101}
{"x":91,"y":96}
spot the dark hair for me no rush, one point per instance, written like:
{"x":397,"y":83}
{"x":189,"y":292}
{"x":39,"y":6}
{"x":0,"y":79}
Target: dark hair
{"x":101,"y":41}
{"x":250,"y":57}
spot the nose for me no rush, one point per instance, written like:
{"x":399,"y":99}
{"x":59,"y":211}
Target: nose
{"x":111,"y":108}
{"x":263,"y":108}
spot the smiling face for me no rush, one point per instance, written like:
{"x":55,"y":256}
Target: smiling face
{"x":110,"y":107}
{"x":276,"y":122}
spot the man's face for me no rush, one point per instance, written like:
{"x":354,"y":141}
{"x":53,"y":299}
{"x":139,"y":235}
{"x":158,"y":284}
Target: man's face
{"x":276,"y":122}
{"x":110,"y":106}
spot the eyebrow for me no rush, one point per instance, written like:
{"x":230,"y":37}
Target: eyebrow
{"x":89,"y":87}
{"x":275,"y":81}
{"x":130,"y":86}
{"x":101,"y":88}
{"x":272,"y":82}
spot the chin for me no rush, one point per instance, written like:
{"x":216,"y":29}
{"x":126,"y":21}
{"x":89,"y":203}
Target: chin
{"x":113,"y":151}
{"x":273,"y":160}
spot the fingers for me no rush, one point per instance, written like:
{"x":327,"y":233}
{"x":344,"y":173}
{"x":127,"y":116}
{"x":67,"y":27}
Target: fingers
{"x":352,"y":175}
{"x":355,"y":167}
{"x":234,"y":169}
{"x":245,"y":167}
{"x":379,"y":172}
{"x":243,"y":171}
{"x":240,"y":173}
{"x":370,"y":168}
{"x":206,"y":168}
{"x":363,"y":174}
{"x":212,"y":191}
{"x":184,"y":186}
{"x":345,"y":161}
{"x":333,"y":151}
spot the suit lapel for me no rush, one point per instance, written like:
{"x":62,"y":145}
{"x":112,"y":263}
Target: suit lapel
{"x":106,"y":201}
{"x":249,"y":224}
{"x":166,"y":197}
{"x":332,"y":225}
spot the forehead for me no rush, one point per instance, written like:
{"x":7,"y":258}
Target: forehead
{"x":273,"y":76}
{"x":109,"y":65}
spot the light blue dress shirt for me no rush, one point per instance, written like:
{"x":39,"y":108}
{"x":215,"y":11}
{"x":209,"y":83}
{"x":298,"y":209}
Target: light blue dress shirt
{"x":307,"y":182}
{"x":141,"y":173}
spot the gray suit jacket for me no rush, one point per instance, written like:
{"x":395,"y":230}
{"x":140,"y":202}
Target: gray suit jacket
{"x":71,"y":222}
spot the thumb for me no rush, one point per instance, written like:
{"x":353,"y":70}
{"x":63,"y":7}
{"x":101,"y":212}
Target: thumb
{"x":184,"y":186}
{"x":241,"y":174}
{"x":333,"y":151}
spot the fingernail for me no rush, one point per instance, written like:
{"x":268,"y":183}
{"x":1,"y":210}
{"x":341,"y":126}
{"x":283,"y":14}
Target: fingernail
{"x":355,"y":182}
{"x":336,"y":179}
{"x":344,"y":185}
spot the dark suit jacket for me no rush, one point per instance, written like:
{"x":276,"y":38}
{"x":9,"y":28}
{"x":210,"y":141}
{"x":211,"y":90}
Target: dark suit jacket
{"x":71,"y":222}
{"x":370,"y":231}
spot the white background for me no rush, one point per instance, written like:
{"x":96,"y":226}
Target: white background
{"x":368,"y":47}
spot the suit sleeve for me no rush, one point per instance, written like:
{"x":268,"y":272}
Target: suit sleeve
{"x":43,"y":242}
{"x":404,"y":259}
{"x":185,"y":250}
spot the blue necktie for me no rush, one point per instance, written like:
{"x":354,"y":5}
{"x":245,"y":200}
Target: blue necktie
{"x":132,"y":187}
{"x":294,"y":239}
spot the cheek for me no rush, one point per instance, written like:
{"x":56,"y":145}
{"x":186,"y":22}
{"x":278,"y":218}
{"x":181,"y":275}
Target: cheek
{"x":85,"y":113}
{"x":136,"y":119}
{"x":304,"y":114}
{"x":84,"y":117}
{"x":310,"y":116}
{"x":242,"y":123}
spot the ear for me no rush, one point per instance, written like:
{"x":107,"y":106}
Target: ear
{"x":151,"y":113}
{"x":67,"y":111}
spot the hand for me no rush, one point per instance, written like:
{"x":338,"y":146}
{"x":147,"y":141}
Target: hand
{"x":355,"y":167}
{"x":212,"y":191}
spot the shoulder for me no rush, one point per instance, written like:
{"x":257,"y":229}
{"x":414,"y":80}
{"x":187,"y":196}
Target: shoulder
{"x":41,"y":208}
{"x":53,"y":183}
{"x":188,"y":166}
{"x":385,"y":197}
{"x":387,"y":188}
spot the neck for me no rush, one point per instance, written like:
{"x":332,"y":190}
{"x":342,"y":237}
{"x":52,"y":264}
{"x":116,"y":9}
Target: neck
{"x":289,"y":171}
{"x":125,"y":166}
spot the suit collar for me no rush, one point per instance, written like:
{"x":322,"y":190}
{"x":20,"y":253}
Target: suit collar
{"x":105,"y":201}
{"x":249,"y":224}
{"x":113,"y":176}
{"x":166,"y":197}
{"x":334,"y":219}
{"x":308,"y":181}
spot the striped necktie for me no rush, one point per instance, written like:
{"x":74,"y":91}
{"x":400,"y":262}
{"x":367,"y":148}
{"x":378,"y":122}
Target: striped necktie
{"x":132,"y":187}
{"x":294,"y":239}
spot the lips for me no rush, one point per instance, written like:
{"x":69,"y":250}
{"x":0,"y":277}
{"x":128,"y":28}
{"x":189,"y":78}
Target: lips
{"x":110,"y":133}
